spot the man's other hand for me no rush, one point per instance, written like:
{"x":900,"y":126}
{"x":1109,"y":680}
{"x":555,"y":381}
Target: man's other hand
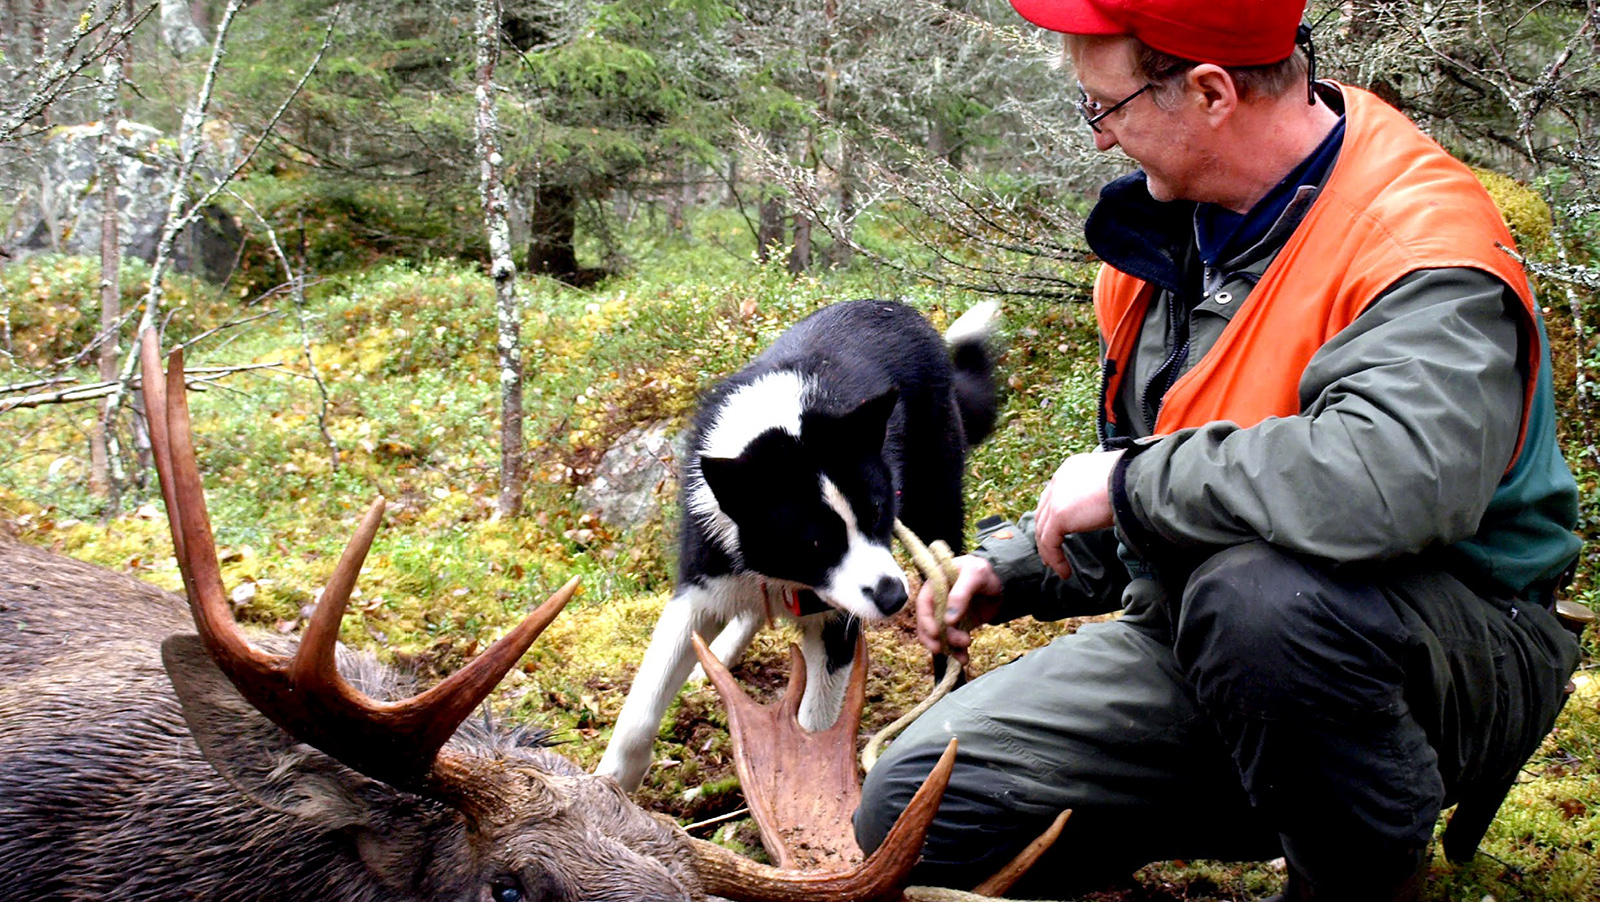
{"x":1077,"y":499}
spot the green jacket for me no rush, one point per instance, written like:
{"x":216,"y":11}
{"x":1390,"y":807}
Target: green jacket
{"x":1410,"y":415}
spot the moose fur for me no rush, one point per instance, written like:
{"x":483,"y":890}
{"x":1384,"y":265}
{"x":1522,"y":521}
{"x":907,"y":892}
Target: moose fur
{"x":131,"y":769}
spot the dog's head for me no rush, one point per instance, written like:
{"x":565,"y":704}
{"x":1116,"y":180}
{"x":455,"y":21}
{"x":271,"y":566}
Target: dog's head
{"x":811,"y":501}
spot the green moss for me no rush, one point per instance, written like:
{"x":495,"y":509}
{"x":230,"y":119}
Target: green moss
{"x":1525,"y":212}
{"x":52,"y":306}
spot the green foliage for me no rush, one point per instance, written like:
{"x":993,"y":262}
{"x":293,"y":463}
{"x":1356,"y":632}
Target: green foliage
{"x":379,"y":155}
{"x":335,"y":224}
{"x":52,"y":305}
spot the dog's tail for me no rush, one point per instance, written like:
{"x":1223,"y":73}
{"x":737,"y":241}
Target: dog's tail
{"x":968,"y":338}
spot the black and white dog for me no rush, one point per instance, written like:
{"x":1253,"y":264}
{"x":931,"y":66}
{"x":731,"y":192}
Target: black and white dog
{"x":797,"y":468}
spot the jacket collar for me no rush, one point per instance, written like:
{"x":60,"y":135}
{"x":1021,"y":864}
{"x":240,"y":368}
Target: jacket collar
{"x":1139,"y":235}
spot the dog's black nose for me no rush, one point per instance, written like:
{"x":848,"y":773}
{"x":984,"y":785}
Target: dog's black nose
{"x":889,"y":594}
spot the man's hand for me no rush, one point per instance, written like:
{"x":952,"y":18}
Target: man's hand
{"x":974,"y":600}
{"x":1077,"y":499}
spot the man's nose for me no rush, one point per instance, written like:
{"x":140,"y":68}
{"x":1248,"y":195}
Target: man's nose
{"x":1104,"y":139}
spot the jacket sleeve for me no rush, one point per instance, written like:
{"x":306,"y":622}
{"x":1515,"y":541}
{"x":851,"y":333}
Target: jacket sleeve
{"x":1409,"y":419}
{"x":1032,"y":589}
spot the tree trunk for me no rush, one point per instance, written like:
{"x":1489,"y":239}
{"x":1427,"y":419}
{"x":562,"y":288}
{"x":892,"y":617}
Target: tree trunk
{"x":177,"y":201}
{"x":687,"y":195}
{"x":941,"y":143}
{"x":769,"y":232}
{"x":676,"y":201}
{"x":508,"y":308}
{"x":553,"y":225}
{"x":103,"y":482}
{"x":838,"y":253}
{"x":178,"y":30}
{"x":41,"y":43}
{"x":800,"y":254}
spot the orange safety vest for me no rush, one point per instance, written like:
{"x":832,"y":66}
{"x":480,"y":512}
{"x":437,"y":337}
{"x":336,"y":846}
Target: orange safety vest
{"x":1395,"y":203}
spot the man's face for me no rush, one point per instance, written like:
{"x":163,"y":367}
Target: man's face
{"x":1162,"y":141}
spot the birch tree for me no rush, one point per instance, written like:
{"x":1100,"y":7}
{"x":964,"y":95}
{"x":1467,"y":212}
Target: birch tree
{"x":50,"y":73}
{"x":1510,"y":87}
{"x":508,"y":308}
{"x":183,"y":208}
{"x":104,"y":480}
{"x":947,"y":119}
{"x":179,"y":215}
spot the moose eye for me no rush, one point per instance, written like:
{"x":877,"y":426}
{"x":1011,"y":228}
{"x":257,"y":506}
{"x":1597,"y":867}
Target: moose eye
{"x":505,"y":891}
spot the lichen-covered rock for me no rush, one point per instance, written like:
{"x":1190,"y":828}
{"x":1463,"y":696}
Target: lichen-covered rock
{"x":62,"y":215}
{"x":634,"y":476}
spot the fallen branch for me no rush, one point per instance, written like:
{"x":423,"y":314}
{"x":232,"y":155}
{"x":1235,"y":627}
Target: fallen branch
{"x":200,"y":379}
{"x":37,"y":383}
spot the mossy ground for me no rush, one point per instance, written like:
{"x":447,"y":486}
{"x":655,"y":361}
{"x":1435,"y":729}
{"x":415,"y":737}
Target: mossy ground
{"x":408,"y":354}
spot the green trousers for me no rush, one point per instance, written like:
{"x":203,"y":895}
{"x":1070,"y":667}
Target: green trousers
{"x":1265,"y":706}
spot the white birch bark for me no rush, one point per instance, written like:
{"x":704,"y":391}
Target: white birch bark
{"x":188,"y":153}
{"x":58,"y":71}
{"x":508,"y":307}
{"x":105,"y":476}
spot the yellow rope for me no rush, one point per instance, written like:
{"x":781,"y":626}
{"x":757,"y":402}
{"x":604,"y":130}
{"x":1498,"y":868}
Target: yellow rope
{"x":938,"y":567}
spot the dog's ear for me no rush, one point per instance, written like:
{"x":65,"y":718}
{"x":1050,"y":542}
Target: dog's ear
{"x":866,"y":425}
{"x":729,"y":481}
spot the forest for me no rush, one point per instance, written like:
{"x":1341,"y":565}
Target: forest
{"x":482,"y":257}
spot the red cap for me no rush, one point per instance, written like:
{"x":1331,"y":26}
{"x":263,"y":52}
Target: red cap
{"x":1225,"y":32}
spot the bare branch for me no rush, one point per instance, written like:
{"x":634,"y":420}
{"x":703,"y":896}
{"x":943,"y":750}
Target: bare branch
{"x":198,"y":378}
{"x":298,"y":287}
{"x":196,"y":208}
{"x":57,"y":79}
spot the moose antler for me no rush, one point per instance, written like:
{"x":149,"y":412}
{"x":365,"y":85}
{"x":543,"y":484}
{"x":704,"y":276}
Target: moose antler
{"x":398,"y":742}
{"x":803,"y":790}
{"x":801,"y":787}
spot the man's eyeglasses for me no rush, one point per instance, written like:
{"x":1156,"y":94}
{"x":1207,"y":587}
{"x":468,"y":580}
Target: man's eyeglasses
{"x":1093,"y":112}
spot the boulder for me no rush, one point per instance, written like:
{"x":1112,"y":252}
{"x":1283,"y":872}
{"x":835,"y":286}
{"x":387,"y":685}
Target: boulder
{"x":635,"y":476}
{"x":62,"y":214}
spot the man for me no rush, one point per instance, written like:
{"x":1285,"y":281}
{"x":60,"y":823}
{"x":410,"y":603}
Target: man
{"x":1328,"y":498}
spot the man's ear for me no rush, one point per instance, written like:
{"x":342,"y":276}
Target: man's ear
{"x":864,"y":426}
{"x":1217,"y":93}
{"x":265,"y":764}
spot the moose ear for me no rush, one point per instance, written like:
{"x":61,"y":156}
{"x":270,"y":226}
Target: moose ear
{"x":866,"y":424}
{"x":267,"y":765}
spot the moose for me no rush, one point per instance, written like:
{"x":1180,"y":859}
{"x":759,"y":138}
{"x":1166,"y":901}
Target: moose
{"x":152,"y":749}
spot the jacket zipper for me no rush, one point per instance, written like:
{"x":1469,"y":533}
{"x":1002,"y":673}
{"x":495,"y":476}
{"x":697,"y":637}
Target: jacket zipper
{"x":1108,"y":369}
{"x":1167,"y":374}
